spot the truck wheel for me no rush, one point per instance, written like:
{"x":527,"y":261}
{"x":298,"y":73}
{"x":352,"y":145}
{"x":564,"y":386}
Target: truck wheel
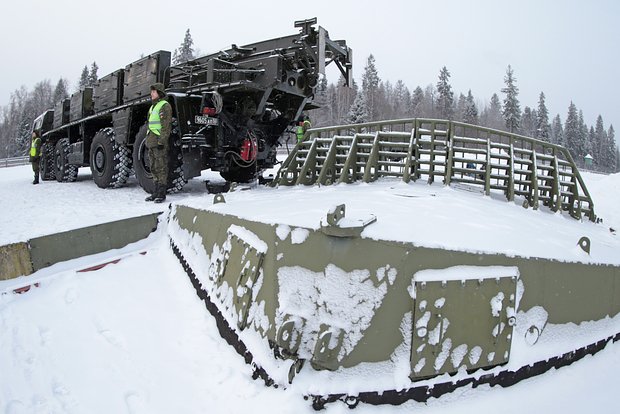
{"x":63,"y":170}
{"x":47,"y":162}
{"x":176,"y":179}
{"x":110,"y":162}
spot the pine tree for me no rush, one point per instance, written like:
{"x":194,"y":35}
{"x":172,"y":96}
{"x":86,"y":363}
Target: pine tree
{"x":358,"y":114}
{"x":614,"y":164}
{"x":590,"y":143}
{"x":384,"y":101}
{"x":491,"y":116}
{"x":600,"y":144}
{"x":572,"y":134}
{"x":320,"y":116}
{"x":445,"y":98}
{"x":512,"y":110}
{"x":557,"y":131}
{"x":402,"y":99}
{"x":459,"y":113}
{"x":92,"y":75}
{"x":528,"y":122}
{"x":370,"y":87}
{"x":417,"y":100}
{"x":471,"y":112}
{"x":61,"y":91}
{"x":543,"y":129}
{"x":83,"y":83}
{"x":185,"y":52}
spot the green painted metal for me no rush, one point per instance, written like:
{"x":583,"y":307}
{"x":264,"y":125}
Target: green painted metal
{"x":54,"y":248}
{"x":411,"y":149}
{"x":303,"y":296}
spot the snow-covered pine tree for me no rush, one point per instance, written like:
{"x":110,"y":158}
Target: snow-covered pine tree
{"x":344,"y":96}
{"x":61,"y":91}
{"x":320,"y":115}
{"x":416,"y":102}
{"x":611,"y":142}
{"x":370,"y":87}
{"x":459,"y":113}
{"x":583,"y":133}
{"x":611,"y":150}
{"x":543,"y":128}
{"x":572,"y":134}
{"x":557,"y":131}
{"x":590,"y":143}
{"x":92,"y":74}
{"x":491,"y":115}
{"x":402,"y":99}
{"x":528,"y":122}
{"x":185,"y":52}
{"x":384,"y":101}
{"x":471,"y":111}
{"x":600,"y":145}
{"x":512,"y":110}
{"x":83,"y":79}
{"x":358,"y":114}
{"x":445,"y":95}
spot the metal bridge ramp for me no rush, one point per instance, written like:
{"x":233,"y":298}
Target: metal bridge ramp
{"x":432,"y":149}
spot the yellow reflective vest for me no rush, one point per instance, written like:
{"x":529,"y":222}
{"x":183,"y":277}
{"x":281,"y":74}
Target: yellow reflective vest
{"x":154,"y":118}
{"x":35,"y":147}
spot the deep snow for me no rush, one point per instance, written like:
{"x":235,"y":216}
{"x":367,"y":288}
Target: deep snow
{"x":133,"y":337}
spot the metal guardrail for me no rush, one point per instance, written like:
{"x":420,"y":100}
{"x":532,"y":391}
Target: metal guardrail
{"x":417,"y":148}
{"x":12,"y":162}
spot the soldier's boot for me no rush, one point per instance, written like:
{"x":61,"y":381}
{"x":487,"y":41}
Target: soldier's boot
{"x":153,"y":195}
{"x":160,"y":194}
{"x":36,"y":179}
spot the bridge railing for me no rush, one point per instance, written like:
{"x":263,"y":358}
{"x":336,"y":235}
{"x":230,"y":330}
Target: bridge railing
{"x":434,"y":149}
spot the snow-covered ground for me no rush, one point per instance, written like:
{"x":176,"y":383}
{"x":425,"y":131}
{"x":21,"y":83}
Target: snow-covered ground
{"x":134,"y":338}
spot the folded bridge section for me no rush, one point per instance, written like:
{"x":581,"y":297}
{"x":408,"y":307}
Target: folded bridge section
{"x":432,"y":149}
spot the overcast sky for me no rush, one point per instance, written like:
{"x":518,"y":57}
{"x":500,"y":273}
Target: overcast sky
{"x":568,"y":49}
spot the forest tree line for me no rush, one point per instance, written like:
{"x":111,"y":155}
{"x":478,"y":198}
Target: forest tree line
{"x":374,"y":100}
{"x":378,"y":100}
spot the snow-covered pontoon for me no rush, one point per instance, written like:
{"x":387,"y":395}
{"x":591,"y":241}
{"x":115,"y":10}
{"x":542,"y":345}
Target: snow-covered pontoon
{"x":364,"y":283}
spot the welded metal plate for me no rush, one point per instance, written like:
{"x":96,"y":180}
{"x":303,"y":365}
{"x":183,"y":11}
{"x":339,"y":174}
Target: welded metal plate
{"x":461,"y":323}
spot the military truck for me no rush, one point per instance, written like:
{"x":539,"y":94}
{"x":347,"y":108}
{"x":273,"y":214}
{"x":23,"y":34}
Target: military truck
{"x":229,"y":110}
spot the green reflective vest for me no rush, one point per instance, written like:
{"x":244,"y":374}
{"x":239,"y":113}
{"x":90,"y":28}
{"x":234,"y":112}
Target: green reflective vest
{"x":301,"y":130}
{"x":35,"y":147}
{"x":154,"y":119}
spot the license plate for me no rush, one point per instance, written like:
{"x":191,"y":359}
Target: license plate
{"x":206,"y":120}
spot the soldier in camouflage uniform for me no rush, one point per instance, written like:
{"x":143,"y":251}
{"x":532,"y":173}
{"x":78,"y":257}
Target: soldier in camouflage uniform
{"x":157,"y":137}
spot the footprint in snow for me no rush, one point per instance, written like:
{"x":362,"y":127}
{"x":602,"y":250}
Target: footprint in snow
{"x":135,"y":403}
{"x":70,"y":296}
{"x":63,"y":396}
{"x":108,"y":335}
{"x":15,"y":407}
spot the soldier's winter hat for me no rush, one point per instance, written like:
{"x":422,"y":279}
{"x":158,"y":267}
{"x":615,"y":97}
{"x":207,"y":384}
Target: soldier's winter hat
{"x":159,"y":87}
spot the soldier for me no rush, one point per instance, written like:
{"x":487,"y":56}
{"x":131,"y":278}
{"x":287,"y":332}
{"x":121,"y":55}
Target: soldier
{"x":159,"y":124}
{"x":35,"y":155}
{"x":302,"y":127}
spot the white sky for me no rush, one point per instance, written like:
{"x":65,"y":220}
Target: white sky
{"x":568,"y":49}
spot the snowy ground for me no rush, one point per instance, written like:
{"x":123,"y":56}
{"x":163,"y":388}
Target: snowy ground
{"x":63,"y":348}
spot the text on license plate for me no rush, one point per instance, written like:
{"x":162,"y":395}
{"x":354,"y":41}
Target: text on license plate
{"x":206,"y":120}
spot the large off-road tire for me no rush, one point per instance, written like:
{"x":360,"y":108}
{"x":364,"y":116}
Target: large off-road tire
{"x":63,"y":171}
{"x":176,"y":179}
{"x":46,"y":164}
{"x":110,"y":162}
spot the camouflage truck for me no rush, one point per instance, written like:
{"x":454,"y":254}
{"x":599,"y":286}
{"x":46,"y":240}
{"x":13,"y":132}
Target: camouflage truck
{"x":229,"y":110}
